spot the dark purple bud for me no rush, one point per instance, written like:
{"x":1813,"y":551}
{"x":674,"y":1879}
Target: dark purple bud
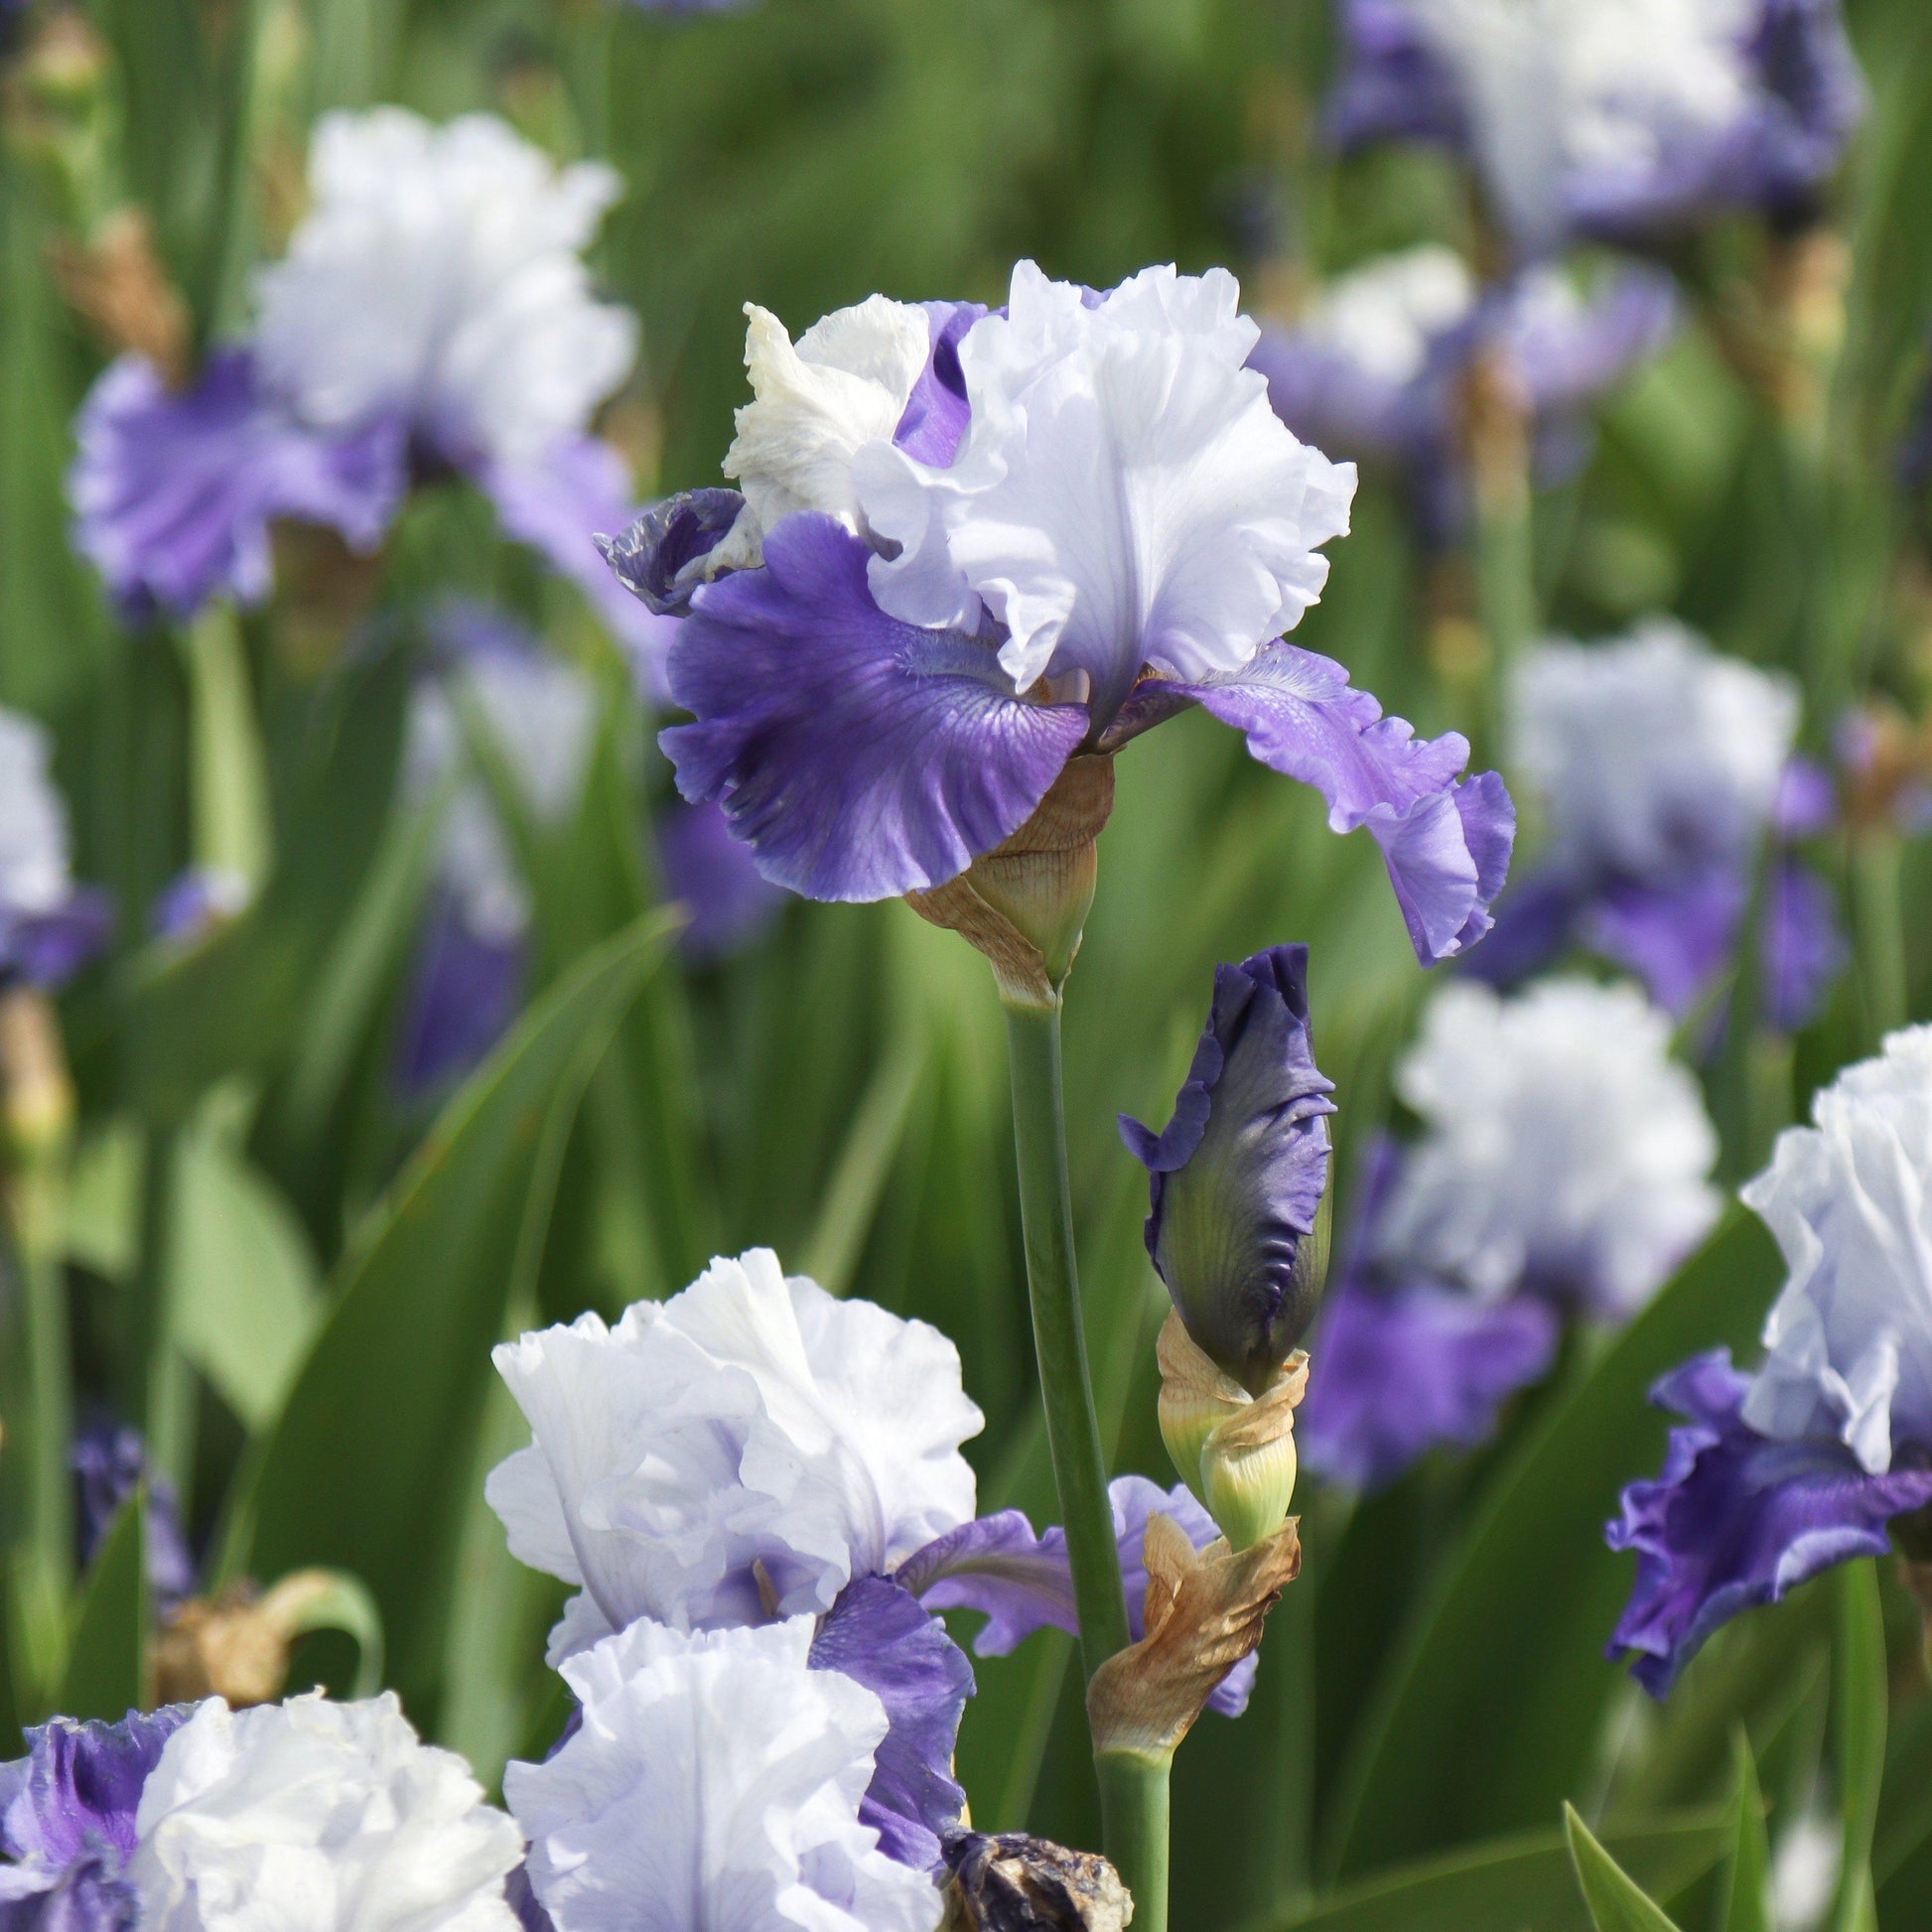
{"x":1235,"y":1183}
{"x":661,"y":557}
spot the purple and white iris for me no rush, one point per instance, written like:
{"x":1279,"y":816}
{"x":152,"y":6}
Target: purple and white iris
{"x":49,"y":926}
{"x":1372,"y":369}
{"x":1236,"y":1180}
{"x":1627,"y":120}
{"x":1778,"y":1475}
{"x":1562,"y":1167}
{"x":540,"y":712}
{"x":332,"y":1817}
{"x":1663,"y":767}
{"x":433,"y":312}
{"x":756,"y":1455}
{"x":971,"y":545}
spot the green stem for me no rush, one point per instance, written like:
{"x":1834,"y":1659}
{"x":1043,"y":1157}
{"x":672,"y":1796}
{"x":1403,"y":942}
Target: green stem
{"x":1059,"y":1341}
{"x":1877,"y":889}
{"x":157,"y":1380}
{"x":1134,"y":1824}
{"x":1506,"y":606}
{"x":44,"y":1282}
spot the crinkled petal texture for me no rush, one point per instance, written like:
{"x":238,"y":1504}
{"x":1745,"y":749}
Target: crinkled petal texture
{"x":318,"y":1817}
{"x":858,"y":757}
{"x":80,"y":1786}
{"x":1022,"y":1582}
{"x":1736,"y":1519}
{"x":877,"y":1634}
{"x":1123,"y":495}
{"x":1397,"y":1372}
{"x":1564,"y":1150}
{"x":173,"y":494}
{"x":90,"y":1895}
{"x":437,"y":276}
{"x":748,"y":1421}
{"x":1235,"y":1181}
{"x":716,"y":1781}
{"x":1446,"y":842}
{"x":1848,"y":1342}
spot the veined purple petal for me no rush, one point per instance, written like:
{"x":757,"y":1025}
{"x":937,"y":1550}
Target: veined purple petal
{"x":860,"y":757}
{"x":1022,"y":1582}
{"x":174,"y":494}
{"x":1235,"y":1181}
{"x":48,"y":948}
{"x":89,"y":1896}
{"x":660,"y":555}
{"x":877,"y":1633}
{"x":1735,"y":1520}
{"x":1394,"y":1373}
{"x":81,"y":1784}
{"x":558,"y":506}
{"x":1446,"y":842}
{"x":465,"y":994}
{"x":729,"y":900}
{"x":938,"y":412}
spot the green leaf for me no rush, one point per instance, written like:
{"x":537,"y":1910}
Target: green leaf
{"x":1508,"y":1645}
{"x":107,"y":1668}
{"x":364,"y":1469}
{"x":1509,"y":1883}
{"x":1859,"y":1714}
{"x":246,"y":1295}
{"x":1617,"y":1904}
{"x":1748,"y":1877}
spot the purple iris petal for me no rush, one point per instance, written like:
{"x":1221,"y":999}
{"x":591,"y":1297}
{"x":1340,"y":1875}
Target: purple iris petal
{"x":79,"y":1785}
{"x":877,"y":1633}
{"x":936,"y":412}
{"x":87,"y":1895}
{"x":1022,"y":1582}
{"x":1535,"y":921}
{"x":1447,"y":843}
{"x":1392,"y":83}
{"x":1235,"y":1182}
{"x":174,"y":494}
{"x":557,"y":505}
{"x":1736,"y":1519}
{"x":1565,"y":358}
{"x":109,"y":1464}
{"x":860,"y":757}
{"x":465,"y":994}
{"x":48,"y":948}
{"x":716,"y":879}
{"x":1394,"y":1373}
{"x":521,"y":1900}
{"x":1803,"y":947}
{"x":659,"y":557}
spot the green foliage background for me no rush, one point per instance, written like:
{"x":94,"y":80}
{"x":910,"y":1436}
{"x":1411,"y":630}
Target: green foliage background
{"x":1432,"y":1690}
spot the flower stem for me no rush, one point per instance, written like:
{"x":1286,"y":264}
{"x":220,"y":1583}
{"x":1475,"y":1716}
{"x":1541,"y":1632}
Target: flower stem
{"x":1134,"y":1824}
{"x":1059,"y":1341}
{"x":1878,"y":903}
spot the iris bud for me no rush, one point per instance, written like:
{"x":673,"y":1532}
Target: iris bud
{"x":1236,"y":1181}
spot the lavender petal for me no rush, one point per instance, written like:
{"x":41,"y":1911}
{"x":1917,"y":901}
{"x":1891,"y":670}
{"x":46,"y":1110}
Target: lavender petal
{"x":1735,"y":1520}
{"x":860,"y":757}
{"x":877,"y":1634}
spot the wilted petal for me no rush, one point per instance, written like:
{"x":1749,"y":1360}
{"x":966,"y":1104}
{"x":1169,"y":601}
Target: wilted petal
{"x":173,"y":494}
{"x":1022,"y":1582}
{"x":1013,"y":1883}
{"x":1236,"y":1180}
{"x":860,"y":757}
{"x":661,"y":555}
{"x":1737,"y":1520}
{"x":1447,"y":843}
{"x":877,"y":1634}
{"x":1397,"y":1372}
